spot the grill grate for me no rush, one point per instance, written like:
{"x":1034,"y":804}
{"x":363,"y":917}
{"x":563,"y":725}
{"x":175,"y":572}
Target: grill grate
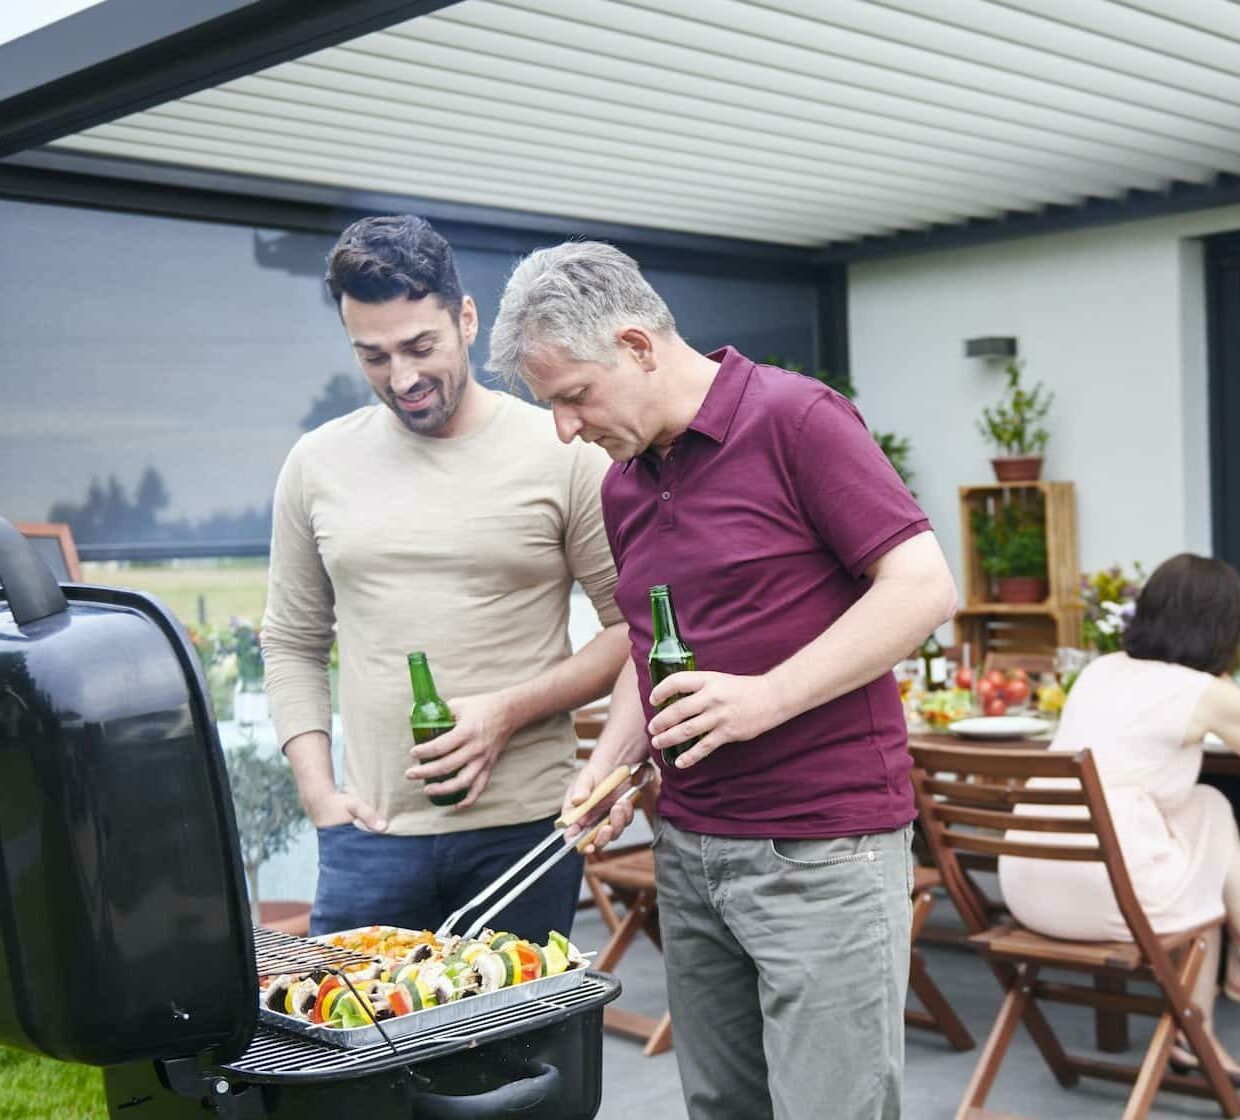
{"x":275,"y":1056}
{"x":277,"y":952}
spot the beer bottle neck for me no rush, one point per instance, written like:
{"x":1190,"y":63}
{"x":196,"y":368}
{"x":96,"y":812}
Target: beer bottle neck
{"x":663,"y":615}
{"x":421,"y":679}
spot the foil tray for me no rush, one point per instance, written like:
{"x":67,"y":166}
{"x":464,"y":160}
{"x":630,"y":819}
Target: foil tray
{"x":429,"y":1018}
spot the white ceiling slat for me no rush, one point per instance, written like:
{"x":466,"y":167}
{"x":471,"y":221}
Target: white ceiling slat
{"x":456,"y":192}
{"x":404,"y":158}
{"x":464,"y":129}
{"x":606,"y":120}
{"x":419,"y":141}
{"x":516,"y":81}
{"x":796,"y":122}
{"x":1163,"y":44}
{"x":262,"y":160}
{"x":1214,"y":17}
{"x":906,"y":26}
{"x":660,"y":40}
{"x":672,"y":93}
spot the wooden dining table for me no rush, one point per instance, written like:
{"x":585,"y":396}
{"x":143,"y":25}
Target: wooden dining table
{"x":1215,"y":760}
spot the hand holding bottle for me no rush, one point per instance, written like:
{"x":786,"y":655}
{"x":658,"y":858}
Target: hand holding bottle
{"x":714,"y":708}
{"x":460,"y":760}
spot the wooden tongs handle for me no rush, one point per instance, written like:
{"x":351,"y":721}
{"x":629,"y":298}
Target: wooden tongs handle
{"x":607,"y":786}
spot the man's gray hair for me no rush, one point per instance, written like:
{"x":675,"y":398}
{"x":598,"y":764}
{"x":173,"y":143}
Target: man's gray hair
{"x":575,"y":296}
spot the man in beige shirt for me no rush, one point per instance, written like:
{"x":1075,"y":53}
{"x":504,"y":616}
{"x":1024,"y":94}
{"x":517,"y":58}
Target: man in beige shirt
{"x":450,"y":519}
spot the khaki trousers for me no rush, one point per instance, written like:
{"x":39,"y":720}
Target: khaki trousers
{"x":787,"y":964}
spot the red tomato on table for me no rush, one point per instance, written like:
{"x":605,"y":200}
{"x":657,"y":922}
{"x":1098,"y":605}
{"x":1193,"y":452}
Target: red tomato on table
{"x":995,"y":706}
{"x":1017,"y":691}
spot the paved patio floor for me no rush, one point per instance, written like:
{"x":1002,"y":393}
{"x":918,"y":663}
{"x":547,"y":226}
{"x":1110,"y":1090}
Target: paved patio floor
{"x":649,"y":1088}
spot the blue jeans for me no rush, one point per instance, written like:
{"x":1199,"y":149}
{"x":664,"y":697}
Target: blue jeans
{"x":368,"y":878}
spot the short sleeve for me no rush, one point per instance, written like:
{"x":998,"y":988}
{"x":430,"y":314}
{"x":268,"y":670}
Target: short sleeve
{"x":849,"y":490}
{"x":589,"y":554}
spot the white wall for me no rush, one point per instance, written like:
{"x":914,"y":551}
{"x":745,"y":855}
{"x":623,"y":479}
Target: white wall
{"x":1112,"y":319}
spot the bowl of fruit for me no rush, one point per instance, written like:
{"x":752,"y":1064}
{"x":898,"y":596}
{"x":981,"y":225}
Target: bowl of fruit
{"x":1003,"y":692}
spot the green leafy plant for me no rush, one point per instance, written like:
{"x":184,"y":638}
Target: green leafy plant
{"x":269,"y":812}
{"x":897,"y":450}
{"x":1011,"y":542}
{"x":1015,"y":425}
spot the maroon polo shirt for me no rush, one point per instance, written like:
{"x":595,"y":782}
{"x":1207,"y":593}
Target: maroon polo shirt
{"x":763,"y":517}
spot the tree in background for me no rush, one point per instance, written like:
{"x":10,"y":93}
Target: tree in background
{"x":340,"y":396}
{"x":269,"y":814}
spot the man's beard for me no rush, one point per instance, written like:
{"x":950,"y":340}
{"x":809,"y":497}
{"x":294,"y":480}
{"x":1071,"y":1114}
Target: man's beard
{"x":440,"y":409}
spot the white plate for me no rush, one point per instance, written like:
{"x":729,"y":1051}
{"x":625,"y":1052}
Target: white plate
{"x":998,"y":727}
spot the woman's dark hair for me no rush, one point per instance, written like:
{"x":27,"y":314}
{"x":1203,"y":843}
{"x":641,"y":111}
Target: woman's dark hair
{"x":1189,"y":614}
{"x":378,"y":259}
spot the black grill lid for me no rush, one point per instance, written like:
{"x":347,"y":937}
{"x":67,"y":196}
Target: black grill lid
{"x":124,"y":926}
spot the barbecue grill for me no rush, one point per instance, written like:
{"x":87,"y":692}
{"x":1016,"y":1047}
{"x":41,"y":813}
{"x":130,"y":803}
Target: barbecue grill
{"x":125,"y":939}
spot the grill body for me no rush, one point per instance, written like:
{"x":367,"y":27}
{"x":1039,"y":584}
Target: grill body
{"x":542,"y":1061}
{"x":119,"y":859}
{"x":125,"y":937}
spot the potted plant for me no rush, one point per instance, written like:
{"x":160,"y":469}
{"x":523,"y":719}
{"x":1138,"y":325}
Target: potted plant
{"x":1015,"y":427}
{"x":268,"y":810}
{"x":1011,"y":544}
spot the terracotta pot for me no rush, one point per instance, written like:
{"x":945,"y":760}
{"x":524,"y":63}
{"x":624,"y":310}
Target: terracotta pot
{"x":1018,"y":468}
{"x":1021,"y":589}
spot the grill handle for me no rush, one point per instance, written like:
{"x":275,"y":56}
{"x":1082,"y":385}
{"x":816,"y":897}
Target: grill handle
{"x":28,"y":583}
{"x":541,"y":1090}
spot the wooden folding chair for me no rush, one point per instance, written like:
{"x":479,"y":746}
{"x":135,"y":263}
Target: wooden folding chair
{"x":939,"y":1015}
{"x":627,"y":878}
{"x":966,"y":796}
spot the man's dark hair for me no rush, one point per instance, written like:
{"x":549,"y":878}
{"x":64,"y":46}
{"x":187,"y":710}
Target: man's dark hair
{"x":1189,"y":614}
{"x":378,"y":259}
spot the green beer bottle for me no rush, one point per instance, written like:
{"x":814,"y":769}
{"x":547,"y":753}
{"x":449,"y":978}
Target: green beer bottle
{"x":430,"y":718}
{"x":668,"y":654}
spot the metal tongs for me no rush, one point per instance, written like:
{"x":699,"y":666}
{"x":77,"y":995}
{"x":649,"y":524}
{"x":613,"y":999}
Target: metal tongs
{"x":605,"y":788}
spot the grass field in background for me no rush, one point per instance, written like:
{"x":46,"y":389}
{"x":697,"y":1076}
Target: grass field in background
{"x":216,"y":589}
{"x":34,"y":1088}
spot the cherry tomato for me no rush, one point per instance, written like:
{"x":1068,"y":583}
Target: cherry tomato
{"x":985,"y":689}
{"x":997,"y":678}
{"x":995,"y":707}
{"x":964,"y":677}
{"x":1017,"y":691}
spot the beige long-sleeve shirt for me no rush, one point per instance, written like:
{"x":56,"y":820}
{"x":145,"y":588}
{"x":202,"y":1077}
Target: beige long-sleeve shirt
{"x":466,"y":548}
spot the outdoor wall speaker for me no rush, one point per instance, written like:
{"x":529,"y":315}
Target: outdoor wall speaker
{"x":990,"y":347}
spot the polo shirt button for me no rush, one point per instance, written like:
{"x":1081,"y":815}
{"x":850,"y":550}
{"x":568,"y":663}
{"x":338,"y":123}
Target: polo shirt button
{"x":665,"y":495}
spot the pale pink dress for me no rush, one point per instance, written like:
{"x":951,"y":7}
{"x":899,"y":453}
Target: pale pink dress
{"x":1177,"y":836}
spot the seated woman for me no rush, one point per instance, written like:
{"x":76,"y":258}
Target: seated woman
{"x":1143,"y":713}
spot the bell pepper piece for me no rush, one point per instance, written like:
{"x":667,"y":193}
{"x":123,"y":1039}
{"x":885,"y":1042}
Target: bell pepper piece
{"x":318,"y":1013}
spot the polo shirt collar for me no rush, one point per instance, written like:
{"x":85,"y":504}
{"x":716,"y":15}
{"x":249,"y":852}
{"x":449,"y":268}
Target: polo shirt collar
{"x":714,"y":418}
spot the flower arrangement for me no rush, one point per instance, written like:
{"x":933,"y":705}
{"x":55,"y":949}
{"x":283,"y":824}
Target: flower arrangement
{"x":1110,"y":598}
{"x":231,"y":657}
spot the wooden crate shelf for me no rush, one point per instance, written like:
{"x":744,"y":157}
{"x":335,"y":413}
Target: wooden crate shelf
{"x":1022,"y":627}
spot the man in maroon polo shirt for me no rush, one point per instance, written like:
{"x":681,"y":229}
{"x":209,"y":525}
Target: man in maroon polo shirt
{"x":802,"y":571}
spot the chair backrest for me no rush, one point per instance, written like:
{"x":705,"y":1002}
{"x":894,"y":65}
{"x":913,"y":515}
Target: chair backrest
{"x":966,"y":797}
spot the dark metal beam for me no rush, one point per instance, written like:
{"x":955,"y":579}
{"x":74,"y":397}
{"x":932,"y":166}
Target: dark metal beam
{"x":74,"y":179}
{"x":122,"y":56}
{"x":831,"y":351}
{"x":1179,"y":198}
